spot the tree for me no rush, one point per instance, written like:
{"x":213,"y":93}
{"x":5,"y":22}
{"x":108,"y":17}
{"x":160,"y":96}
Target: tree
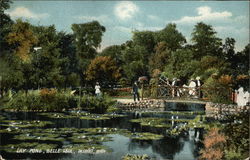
{"x":209,"y":65}
{"x":242,"y":61}
{"x":205,"y":41}
{"x":48,"y":61}
{"x":145,"y":39}
{"x":22,"y":38}
{"x":10,"y":76}
{"x":135,"y":62}
{"x":5,"y":26}
{"x":103,"y":69}
{"x":88,"y":37}
{"x":134,"y":70}
{"x":115,"y":52}
{"x":237,"y":129}
{"x":228,"y":49}
{"x":171,"y":36}
{"x":160,"y":58}
{"x":69,"y":59}
{"x":180,"y":64}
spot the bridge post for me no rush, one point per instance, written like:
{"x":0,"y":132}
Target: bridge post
{"x":142,"y":91}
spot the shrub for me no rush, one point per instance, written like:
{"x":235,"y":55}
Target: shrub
{"x":213,"y":143}
{"x":52,"y":100}
{"x":95,"y":104}
{"x":238,"y":131}
{"x":218,"y":89}
{"x":18,"y":101}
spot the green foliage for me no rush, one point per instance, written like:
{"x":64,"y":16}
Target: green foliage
{"x":205,"y":41}
{"x":103,"y":69}
{"x":22,"y":38}
{"x":218,"y":89}
{"x":37,"y":101}
{"x":87,"y":37}
{"x":145,"y":39}
{"x":136,"y":157}
{"x":180,"y":64}
{"x":115,"y":52}
{"x":160,"y":58}
{"x":5,"y":26}
{"x":209,"y":65}
{"x":95,"y":104}
{"x":232,"y":155}
{"x":66,"y":60}
{"x":237,"y":131}
{"x":171,"y":36}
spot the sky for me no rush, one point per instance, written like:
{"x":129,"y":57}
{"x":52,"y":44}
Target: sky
{"x":120,"y":18}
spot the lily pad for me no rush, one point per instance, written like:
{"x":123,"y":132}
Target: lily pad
{"x":39,"y":136}
{"x":94,"y":117}
{"x":146,"y":136}
{"x":152,"y":122}
{"x":56,"y":115}
{"x":137,"y":157}
{"x":25,"y":123}
{"x":84,"y":138}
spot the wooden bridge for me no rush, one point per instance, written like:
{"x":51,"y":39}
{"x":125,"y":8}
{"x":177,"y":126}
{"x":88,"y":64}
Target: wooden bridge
{"x":180,"y":93}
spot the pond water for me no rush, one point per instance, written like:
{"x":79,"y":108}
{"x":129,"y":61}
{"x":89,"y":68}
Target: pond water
{"x":79,"y":135}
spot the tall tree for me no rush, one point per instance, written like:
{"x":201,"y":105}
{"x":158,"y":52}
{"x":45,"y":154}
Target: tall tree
{"x":205,"y":41}
{"x":5,"y":25}
{"x":242,"y":61}
{"x":171,"y":36}
{"x":69,"y":59}
{"x":145,"y":39}
{"x":103,"y":69}
{"x":88,"y":37}
{"x":22,"y":38}
{"x":180,"y":64}
{"x":160,"y":58}
{"x":135,"y":62}
{"x":115,"y":52}
{"x":48,"y":60}
{"x":228,"y":49}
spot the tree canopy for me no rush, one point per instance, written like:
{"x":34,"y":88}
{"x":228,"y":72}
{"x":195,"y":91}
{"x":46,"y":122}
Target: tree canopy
{"x":40,"y":56}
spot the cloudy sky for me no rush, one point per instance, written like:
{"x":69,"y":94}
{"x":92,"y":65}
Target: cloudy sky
{"x":229,"y":18}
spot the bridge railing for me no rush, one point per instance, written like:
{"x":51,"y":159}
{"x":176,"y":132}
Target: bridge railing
{"x":168,"y":91}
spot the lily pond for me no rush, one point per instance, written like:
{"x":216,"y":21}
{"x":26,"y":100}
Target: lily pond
{"x":80,"y":135}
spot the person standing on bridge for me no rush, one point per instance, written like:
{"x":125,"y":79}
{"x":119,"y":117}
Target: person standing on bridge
{"x":198,"y":85}
{"x":135,"y":90}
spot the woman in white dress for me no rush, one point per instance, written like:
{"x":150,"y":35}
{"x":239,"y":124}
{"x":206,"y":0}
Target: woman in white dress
{"x":192,"y":85}
{"x":97,"y":89}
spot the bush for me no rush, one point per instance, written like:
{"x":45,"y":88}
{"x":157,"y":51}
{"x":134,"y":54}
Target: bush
{"x":218,"y":89}
{"x":213,"y":143}
{"x":238,"y":132}
{"x":46,"y":99}
{"x":95,"y":104}
{"x":52,"y":100}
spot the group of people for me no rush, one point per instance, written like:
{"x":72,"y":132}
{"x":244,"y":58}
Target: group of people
{"x":135,"y":90}
{"x":178,"y":88}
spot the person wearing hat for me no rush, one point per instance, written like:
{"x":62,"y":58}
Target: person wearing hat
{"x":192,"y":86}
{"x":135,"y":90}
{"x":173,"y":87}
{"x":198,"y":85}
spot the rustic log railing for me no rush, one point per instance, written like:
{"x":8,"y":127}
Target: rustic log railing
{"x":168,"y":91}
